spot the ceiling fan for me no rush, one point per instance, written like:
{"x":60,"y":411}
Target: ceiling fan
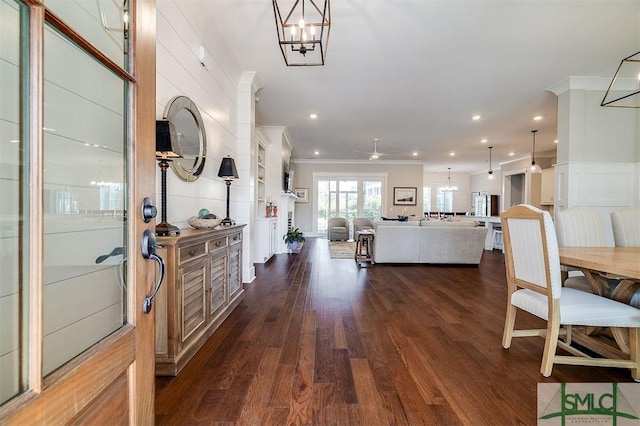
{"x":376,"y":154}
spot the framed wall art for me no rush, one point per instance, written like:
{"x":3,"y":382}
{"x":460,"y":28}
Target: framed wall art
{"x":405,"y":196}
{"x":302,"y":194}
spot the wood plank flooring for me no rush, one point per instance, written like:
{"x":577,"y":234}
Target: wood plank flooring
{"x":320,"y":341}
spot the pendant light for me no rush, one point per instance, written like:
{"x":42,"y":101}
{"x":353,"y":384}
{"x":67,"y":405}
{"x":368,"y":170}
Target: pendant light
{"x":490,"y":168}
{"x":449,"y":187}
{"x":534,"y":167}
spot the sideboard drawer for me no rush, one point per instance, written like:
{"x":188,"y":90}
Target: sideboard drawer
{"x":191,"y":252}
{"x":234,"y":238}
{"x":217,"y":243}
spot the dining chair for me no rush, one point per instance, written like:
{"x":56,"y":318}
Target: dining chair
{"x":580,"y":227}
{"x":533,"y":285}
{"x":626,"y":227}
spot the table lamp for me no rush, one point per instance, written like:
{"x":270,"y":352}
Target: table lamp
{"x":228,"y":172}
{"x":166,"y":151}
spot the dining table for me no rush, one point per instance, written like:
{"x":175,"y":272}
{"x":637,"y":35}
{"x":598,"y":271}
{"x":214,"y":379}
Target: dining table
{"x":600,"y":265}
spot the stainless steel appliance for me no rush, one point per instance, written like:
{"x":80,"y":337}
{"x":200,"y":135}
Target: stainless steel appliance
{"x":484,"y":204}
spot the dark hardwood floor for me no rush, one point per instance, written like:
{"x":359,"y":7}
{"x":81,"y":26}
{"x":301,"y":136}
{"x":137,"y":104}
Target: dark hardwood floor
{"x":322,"y":341}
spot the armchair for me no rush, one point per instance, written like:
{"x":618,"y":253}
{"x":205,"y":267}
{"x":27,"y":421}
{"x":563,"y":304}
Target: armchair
{"x":360,"y":224}
{"x":338,"y":229}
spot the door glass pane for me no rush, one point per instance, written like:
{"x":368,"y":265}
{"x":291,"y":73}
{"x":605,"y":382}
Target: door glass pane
{"x":102,"y":22}
{"x":323,"y":205}
{"x":84,"y":201}
{"x":13,"y":191}
{"x":372,"y":199}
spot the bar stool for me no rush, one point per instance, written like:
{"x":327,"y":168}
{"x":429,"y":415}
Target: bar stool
{"x":364,"y":246}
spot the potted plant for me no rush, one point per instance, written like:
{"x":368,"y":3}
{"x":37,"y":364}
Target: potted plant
{"x":294,"y":239}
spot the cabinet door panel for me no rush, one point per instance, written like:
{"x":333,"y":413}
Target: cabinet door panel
{"x":193,"y":298}
{"x":218,"y":280}
{"x":235,"y":272}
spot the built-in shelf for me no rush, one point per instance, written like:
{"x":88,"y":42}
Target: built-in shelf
{"x":261,"y":170}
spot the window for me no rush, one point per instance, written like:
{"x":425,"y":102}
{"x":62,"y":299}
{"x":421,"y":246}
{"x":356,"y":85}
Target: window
{"x":426,"y":199}
{"x":348,"y":197}
{"x":444,"y":200}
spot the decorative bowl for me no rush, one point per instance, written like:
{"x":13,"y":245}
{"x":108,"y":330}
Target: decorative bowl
{"x":199,"y":223}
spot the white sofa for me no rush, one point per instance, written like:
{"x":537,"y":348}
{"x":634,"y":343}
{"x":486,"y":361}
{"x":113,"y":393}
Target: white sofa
{"x":432,"y":241}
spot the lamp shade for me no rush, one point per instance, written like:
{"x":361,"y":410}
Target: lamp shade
{"x":228,"y":169}
{"x":166,"y":140}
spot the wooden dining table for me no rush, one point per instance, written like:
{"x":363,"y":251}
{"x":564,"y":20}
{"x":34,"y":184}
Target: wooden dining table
{"x":599,"y":265}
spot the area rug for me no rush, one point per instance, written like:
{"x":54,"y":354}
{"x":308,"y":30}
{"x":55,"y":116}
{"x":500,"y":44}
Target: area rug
{"x":342,"y":249}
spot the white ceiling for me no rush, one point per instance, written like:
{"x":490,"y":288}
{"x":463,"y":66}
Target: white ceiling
{"x":413,"y":72}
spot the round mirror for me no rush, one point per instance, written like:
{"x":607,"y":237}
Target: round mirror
{"x":192,"y":141}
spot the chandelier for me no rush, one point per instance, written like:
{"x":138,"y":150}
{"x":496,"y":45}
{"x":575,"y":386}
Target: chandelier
{"x":626,"y":84}
{"x":534,"y":167}
{"x":450,"y":187}
{"x":303,"y":34}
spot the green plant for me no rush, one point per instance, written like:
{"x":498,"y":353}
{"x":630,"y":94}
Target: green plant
{"x":293,"y":235}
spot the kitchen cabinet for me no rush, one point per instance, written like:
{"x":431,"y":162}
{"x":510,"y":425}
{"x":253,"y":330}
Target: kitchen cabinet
{"x":546,"y":187}
{"x":266,"y":239}
{"x":202,"y":286}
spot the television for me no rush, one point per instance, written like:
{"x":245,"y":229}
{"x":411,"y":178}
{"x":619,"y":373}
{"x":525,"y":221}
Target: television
{"x":288,"y":170}
{"x":288,"y":181}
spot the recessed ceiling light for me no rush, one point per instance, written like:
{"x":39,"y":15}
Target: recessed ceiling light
{"x":14,"y":141}
{"x":537,"y":118}
{"x":484,"y":140}
{"x":555,"y":141}
{"x":476,"y":117}
{"x":415,"y":154}
{"x":452,"y":154}
{"x":316,"y":152}
{"x":511,"y":154}
{"x":313,"y":116}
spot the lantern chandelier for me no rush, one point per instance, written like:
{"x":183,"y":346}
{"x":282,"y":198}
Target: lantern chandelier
{"x":450,"y":187}
{"x":625,"y":84}
{"x":303,"y":34}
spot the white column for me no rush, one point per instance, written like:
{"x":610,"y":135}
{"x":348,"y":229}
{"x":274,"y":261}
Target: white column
{"x":598,"y":150}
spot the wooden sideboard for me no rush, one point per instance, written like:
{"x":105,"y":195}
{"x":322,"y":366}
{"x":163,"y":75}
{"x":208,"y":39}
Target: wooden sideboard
{"x":202,"y":286}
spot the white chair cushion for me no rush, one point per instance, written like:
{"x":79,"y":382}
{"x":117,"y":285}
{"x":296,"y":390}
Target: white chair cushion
{"x":580,"y":308}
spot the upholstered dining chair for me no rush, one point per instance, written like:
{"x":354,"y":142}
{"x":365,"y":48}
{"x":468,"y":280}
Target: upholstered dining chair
{"x":338,"y":229}
{"x":533,"y":285}
{"x":626,"y":227}
{"x":580,"y":227}
{"x":360,"y":224}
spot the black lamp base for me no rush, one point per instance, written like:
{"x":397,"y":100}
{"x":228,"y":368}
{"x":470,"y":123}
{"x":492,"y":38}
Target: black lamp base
{"x":164,"y":228}
{"x":227,"y":222}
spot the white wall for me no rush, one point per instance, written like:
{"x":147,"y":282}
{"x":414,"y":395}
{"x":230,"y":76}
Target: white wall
{"x":224,"y":96}
{"x":461,"y":198}
{"x":213,"y":88}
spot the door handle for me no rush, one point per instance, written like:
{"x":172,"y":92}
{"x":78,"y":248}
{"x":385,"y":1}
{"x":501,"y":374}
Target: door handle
{"x":148,"y":246}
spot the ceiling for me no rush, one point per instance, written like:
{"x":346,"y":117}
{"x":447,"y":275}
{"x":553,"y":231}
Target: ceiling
{"x":412,"y":73}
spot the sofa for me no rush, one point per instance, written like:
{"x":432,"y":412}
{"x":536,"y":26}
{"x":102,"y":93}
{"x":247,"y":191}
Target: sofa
{"x":429,"y":241}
